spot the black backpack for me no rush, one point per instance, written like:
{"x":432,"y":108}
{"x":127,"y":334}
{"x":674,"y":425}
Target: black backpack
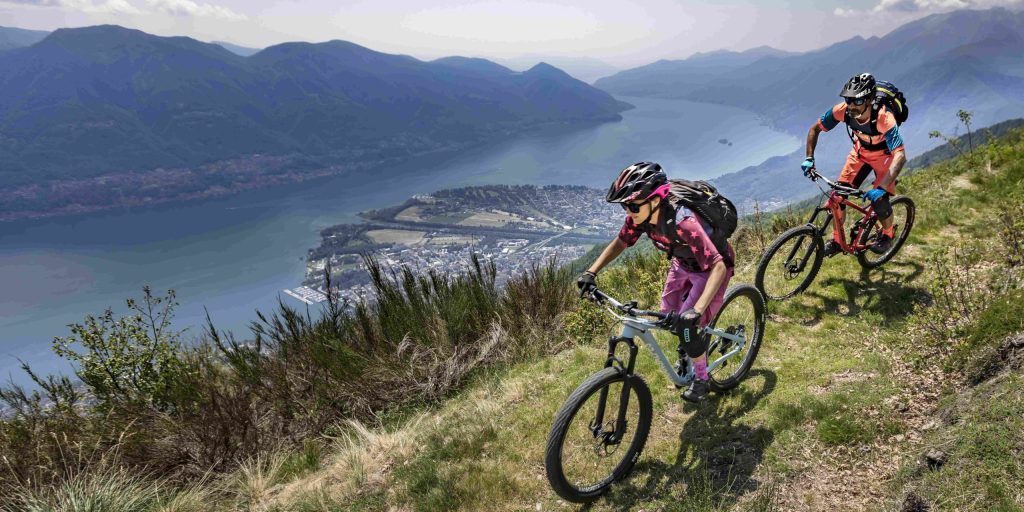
{"x":894,"y":101}
{"x":713,"y":208}
{"x":886,"y":93}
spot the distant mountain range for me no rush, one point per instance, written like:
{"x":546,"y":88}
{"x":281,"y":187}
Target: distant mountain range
{"x":963,"y":59}
{"x":89,"y":102}
{"x":19,"y":37}
{"x":583,"y":68}
{"x":969,"y":60}
{"x":102,"y":103}
{"x":244,"y":51}
{"x":682,"y":78}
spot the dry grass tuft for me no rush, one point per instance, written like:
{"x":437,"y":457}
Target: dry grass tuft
{"x":256,"y":477}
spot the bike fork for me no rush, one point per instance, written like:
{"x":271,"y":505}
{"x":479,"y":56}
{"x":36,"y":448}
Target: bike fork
{"x":792,"y":254}
{"x":627,"y":371}
{"x":820,"y":231}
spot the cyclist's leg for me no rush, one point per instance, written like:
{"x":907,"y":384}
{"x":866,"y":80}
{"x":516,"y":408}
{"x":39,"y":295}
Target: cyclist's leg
{"x":677,"y":288}
{"x":716,"y":303}
{"x":880,"y":161}
{"x":696,"y":348}
{"x":854,"y":172}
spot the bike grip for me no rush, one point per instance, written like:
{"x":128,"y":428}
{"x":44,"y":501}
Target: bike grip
{"x":655,"y":314}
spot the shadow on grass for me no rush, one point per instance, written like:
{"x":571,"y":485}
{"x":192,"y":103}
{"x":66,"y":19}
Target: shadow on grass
{"x":887,"y":291}
{"x":716,"y":456}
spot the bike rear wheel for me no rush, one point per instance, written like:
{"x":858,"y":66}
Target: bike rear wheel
{"x":790,"y":263}
{"x":743,"y":312}
{"x":583,"y":457}
{"x":903,"y":211}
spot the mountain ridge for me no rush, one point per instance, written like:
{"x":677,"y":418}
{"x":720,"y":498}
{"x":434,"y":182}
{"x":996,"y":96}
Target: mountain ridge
{"x":810,"y":81}
{"x":13,"y":37}
{"x":119,"y":100}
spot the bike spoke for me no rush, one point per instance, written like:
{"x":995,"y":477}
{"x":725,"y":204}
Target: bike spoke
{"x":590,"y":455}
{"x":790,"y":266}
{"x":739,"y":316}
{"x":902,"y":220}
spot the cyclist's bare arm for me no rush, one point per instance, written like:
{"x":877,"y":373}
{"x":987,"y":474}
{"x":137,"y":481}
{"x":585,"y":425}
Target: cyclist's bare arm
{"x":812,"y":139}
{"x":715,"y":280}
{"x":612,"y":251}
{"x":899,"y":157}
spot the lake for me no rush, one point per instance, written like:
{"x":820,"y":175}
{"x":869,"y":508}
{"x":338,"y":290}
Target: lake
{"x":234,"y":255}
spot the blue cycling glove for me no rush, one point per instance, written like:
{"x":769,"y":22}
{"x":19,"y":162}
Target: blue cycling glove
{"x":874,"y":194}
{"x":807,"y":165}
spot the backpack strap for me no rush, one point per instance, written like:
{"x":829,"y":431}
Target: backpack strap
{"x":667,"y":226}
{"x":679,"y":248}
{"x":869,"y":146}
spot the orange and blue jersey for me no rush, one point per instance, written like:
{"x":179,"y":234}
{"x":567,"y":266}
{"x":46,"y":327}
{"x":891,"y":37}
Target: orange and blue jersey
{"x":883,"y":135}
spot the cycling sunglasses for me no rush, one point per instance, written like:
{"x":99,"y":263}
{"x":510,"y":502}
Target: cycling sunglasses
{"x":635,"y":208}
{"x":856,"y":101}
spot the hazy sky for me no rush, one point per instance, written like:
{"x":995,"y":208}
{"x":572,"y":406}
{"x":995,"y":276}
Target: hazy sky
{"x":624,"y":33}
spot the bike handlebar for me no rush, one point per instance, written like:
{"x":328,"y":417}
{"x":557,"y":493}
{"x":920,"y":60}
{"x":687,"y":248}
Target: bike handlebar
{"x":628,"y":308}
{"x":853,"y":191}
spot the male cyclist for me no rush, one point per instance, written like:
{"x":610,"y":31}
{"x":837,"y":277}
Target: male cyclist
{"x":699,"y":275}
{"x":877,"y":146}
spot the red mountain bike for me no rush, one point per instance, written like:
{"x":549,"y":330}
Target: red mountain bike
{"x":792,"y":261}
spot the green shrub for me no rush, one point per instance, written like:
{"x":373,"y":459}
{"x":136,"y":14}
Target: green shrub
{"x":131,"y":358}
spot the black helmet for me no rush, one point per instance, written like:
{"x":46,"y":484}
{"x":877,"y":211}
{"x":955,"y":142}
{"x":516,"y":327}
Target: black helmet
{"x":637,"y":181}
{"x":859,"y":86}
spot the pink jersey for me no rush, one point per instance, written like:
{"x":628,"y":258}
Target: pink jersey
{"x":690,"y":231}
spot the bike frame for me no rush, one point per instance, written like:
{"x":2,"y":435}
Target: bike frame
{"x":834,"y":202}
{"x":632,"y":329}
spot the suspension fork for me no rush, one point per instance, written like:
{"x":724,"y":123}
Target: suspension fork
{"x":810,"y":247}
{"x":828,"y":219}
{"x":627,"y":371}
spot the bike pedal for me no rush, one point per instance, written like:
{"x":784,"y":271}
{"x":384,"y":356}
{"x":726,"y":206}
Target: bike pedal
{"x":682,"y":372}
{"x":697,"y":401}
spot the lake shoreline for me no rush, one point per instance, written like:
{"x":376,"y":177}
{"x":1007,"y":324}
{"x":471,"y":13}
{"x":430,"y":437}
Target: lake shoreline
{"x":253,"y":172}
{"x":233,"y":255}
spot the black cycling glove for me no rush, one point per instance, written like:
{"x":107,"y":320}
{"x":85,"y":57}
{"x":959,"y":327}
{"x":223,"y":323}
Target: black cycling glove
{"x":686,"y":325}
{"x":587,"y":283}
{"x":678,"y":323}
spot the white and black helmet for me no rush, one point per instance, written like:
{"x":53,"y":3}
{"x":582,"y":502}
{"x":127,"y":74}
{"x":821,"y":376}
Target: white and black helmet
{"x":637,"y":181}
{"x":859,"y":86}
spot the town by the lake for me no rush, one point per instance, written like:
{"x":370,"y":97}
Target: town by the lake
{"x":516,"y":227}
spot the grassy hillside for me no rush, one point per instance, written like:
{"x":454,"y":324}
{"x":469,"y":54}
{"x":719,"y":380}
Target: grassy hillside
{"x":857,"y":380}
{"x":895,"y":389}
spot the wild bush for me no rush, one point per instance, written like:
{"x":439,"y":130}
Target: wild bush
{"x":132,"y":358}
{"x":534,"y":304}
{"x":180,"y":412}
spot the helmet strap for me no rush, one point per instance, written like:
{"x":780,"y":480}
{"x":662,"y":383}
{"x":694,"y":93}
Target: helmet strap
{"x":651,"y":214}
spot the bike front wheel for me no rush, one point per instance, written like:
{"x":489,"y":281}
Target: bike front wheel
{"x":742,"y":314}
{"x":903,"y":211}
{"x":790,"y":263}
{"x":588,"y":447}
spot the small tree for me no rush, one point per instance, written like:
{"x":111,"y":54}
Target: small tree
{"x":965,"y":118}
{"x":128,"y":359}
{"x":954,"y":142}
